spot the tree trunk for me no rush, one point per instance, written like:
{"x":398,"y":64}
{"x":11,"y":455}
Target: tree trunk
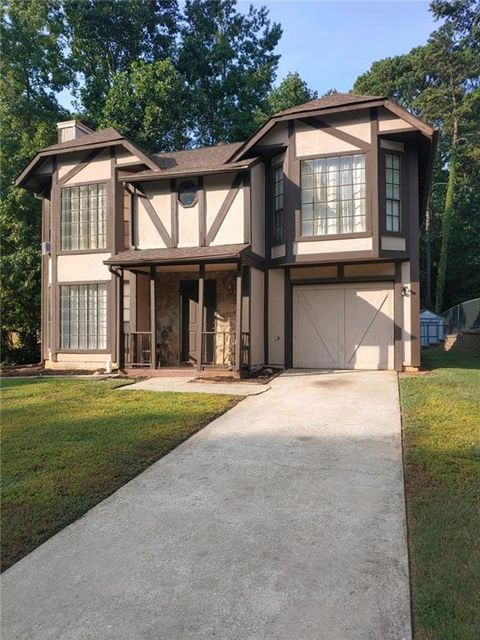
{"x":446,"y":228}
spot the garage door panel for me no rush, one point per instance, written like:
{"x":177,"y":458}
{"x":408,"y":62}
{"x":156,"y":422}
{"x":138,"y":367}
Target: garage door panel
{"x":349,"y":327}
{"x":316,"y":338}
{"x":368,"y":329}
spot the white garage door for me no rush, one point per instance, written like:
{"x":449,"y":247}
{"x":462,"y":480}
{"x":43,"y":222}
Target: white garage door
{"x":343,"y":327}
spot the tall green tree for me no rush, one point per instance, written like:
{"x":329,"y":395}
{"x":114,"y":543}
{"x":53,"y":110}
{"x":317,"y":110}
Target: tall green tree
{"x":147,"y":103}
{"x":229,"y":63}
{"x":32,"y":71}
{"x":107,"y":36}
{"x":440,"y":82}
{"x":291,"y":92}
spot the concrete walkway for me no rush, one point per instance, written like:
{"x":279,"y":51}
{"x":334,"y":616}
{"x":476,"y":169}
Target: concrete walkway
{"x":282,"y":520}
{"x":186,"y":384}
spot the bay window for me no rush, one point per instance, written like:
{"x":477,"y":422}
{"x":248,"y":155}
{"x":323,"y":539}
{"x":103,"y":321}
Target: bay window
{"x":83,"y":217}
{"x":83,"y":316}
{"x":333,"y":195}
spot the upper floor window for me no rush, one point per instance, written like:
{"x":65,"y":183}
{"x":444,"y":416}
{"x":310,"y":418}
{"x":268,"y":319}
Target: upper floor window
{"x":333,"y":199}
{"x":392,"y":189}
{"x":83,"y":217}
{"x":278,"y":204}
{"x":187,"y":194}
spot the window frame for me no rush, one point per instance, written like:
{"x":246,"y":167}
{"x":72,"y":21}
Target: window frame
{"x":58,"y":314}
{"x":404,"y":208}
{"x":274,"y":168}
{"x":335,"y":236}
{"x":185,"y":183}
{"x":106,"y":248}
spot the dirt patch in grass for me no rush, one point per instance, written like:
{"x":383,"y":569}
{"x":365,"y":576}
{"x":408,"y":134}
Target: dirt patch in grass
{"x":68,"y":444}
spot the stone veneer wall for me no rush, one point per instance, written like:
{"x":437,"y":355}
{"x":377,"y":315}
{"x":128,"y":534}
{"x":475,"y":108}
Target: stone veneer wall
{"x":168,"y":330}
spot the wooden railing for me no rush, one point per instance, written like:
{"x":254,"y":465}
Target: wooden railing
{"x":138,"y":349}
{"x":219,"y":349}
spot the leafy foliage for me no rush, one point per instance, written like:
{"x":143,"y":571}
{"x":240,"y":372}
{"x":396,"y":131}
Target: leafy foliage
{"x":441,"y":83}
{"x":291,"y":92}
{"x":227,"y":59}
{"x":33,"y":70}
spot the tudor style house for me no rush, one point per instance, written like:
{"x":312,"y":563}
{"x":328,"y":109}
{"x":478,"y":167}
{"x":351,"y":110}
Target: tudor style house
{"x":296,"y":248}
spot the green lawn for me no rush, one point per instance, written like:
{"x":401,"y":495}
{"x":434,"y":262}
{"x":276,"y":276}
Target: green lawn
{"x":441,"y":417}
{"x":67,"y":444}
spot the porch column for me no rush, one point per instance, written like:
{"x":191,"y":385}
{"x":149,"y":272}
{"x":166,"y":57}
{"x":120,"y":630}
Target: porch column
{"x":153,"y":319}
{"x":201,"y":310}
{"x":120,"y":347}
{"x":238,"y":321}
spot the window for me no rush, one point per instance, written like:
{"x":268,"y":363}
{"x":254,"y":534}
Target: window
{"x":333,"y":195}
{"x":278,"y":204}
{"x":187,"y":194}
{"x":83,"y":316}
{"x":392,"y":186}
{"x":83,"y":224}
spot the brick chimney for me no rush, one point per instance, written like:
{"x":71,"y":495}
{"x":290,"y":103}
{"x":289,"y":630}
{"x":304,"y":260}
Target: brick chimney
{"x":71,"y":130}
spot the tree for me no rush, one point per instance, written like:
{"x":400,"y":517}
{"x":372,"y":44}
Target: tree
{"x":291,"y":92}
{"x":227,"y":59}
{"x":32,"y":71}
{"x":147,"y":104}
{"x":107,"y":36}
{"x":440,"y":82}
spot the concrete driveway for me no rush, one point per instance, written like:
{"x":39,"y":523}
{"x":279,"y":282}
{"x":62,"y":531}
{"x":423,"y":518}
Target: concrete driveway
{"x":284,"y":520}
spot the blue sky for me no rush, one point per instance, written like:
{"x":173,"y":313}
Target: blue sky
{"x":331,"y":43}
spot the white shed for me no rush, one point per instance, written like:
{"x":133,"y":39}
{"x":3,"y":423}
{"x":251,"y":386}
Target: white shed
{"x":431,"y":328}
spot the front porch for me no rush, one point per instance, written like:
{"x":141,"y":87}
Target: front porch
{"x":175,"y":318}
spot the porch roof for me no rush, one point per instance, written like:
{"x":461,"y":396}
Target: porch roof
{"x":177,"y":255}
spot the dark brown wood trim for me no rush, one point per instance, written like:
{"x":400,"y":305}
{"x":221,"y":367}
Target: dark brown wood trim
{"x":224,"y":209}
{"x":268,"y":210}
{"x":266,"y":276}
{"x":341,"y":256}
{"x":201,"y":308}
{"x":202,"y":212}
{"x":333,"y":236}
{"x":81,"y":165}
{"x":372,"y":181}
{"x":247,"y":208}
{"x":173,"y":213}
{"x":397,"y":318}
{"x":288,"y":295}
{"x":140,"y":154}
{"x":416,"y":122}
{"x":317,"y":123}
{"x":238,"y":318}
{"x":120,"y":332}
{"x":340,"y":280}
{"x":157,"y":223}
{"x":132,"y":279}
{"x":291,"y":191}
{"x":153,"y":318}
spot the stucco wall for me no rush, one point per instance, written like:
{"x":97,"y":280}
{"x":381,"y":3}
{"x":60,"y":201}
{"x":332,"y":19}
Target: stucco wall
{"x":83,"y":267}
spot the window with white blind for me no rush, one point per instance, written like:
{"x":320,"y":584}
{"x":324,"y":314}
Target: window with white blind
{"x":83,"y":217}
{"x":83,"y":316}
{"x":278,"y":204}
{"x":392,"y":190}
{"x":333,"y":195}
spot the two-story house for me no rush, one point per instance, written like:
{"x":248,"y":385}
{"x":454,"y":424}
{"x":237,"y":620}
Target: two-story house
{"x":296,"y":248}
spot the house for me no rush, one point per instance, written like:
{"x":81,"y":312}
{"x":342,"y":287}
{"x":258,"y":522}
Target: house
{"x":297,"y":247}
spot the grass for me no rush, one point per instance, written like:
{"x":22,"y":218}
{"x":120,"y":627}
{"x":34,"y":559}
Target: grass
{"x":441,"y":417}
{"x":68,"y":444}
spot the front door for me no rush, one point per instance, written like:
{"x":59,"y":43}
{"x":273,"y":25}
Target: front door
{"x":191,"y":318}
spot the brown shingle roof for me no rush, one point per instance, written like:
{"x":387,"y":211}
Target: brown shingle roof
{"x":201,"y":158}
{"x":140,"y":257}
{"x":97,"y":137}
{"x":328,"y":102}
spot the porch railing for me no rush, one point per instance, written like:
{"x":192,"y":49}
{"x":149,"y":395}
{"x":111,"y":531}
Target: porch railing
{"x":138,"y":349}
{"x":219,"y":348}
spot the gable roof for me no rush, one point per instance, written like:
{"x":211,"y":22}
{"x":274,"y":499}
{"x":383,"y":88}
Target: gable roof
{"x":200,"y":158}
{"x":335,"y":103}
{"x":333,"y":100}
{"x":96,"y":137}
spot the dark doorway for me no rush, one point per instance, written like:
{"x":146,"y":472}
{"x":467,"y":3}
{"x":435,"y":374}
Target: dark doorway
{"x":190,"y":321}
